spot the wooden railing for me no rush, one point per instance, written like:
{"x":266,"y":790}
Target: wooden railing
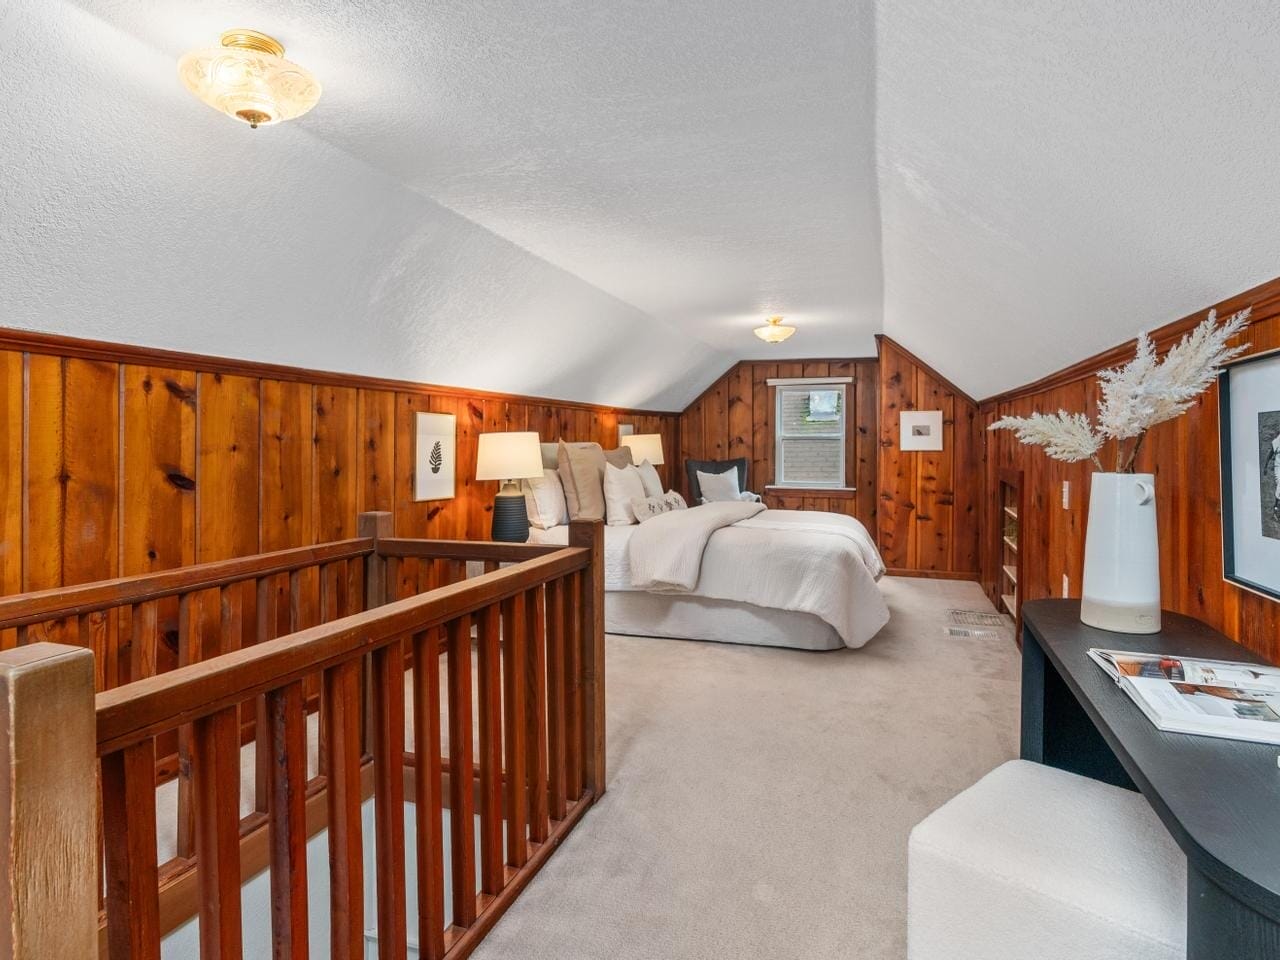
{"x":537,"y":717}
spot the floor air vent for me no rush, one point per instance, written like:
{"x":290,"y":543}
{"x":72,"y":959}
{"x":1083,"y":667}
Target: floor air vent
{"x":975,"y":623}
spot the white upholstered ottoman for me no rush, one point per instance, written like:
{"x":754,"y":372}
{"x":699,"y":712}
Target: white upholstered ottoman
{"x":1033,"y":863}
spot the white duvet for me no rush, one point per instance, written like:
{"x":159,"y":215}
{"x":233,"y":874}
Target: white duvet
{"x":825,"y":564}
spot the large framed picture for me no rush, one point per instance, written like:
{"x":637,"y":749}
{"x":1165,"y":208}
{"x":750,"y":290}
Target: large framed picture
{"x":1249,"y":402}
{"x":435,"y":448}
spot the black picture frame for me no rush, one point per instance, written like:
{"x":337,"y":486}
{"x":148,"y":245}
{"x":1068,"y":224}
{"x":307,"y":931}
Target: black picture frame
{"x":1226,"y":461}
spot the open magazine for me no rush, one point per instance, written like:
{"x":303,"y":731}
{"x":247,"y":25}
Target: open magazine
{"x":1214,"y":698}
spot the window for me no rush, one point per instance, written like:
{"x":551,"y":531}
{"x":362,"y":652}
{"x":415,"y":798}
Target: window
{"x":809,"y":425}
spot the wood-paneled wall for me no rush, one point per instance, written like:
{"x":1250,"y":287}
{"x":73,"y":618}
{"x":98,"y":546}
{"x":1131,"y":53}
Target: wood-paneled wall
{"x":1183,"y":454}
{"x":118,"y":460}
{"x":734,"y":418}
{"x":930,"y":504}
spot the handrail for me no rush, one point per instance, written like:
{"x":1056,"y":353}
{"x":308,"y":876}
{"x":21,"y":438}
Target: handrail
{"x":464,"y":549}
{"x":59,"y":602}
{"x":153,"y":705}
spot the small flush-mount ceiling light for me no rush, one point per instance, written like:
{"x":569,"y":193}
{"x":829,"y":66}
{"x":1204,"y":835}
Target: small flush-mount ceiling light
{"x":248,"y":78}
{"x":774,"y":331}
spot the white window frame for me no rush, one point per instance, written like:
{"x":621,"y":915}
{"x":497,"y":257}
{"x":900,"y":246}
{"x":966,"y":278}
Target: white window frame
{"x":799,"y":385}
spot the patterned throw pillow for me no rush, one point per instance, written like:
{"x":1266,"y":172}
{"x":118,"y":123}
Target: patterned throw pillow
{"x":650,"y":507}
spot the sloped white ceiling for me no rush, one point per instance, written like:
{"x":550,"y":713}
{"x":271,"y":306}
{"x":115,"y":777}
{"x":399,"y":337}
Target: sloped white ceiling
{"x":1057,"y":176}
{"x":597,"y":199}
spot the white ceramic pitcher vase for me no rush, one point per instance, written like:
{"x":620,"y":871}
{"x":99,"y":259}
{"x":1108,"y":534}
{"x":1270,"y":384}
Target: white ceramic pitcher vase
{"x":1121,"y":589}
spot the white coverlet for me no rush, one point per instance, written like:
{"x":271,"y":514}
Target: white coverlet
{"x":666,"y":552}
{"x":812,"y":562}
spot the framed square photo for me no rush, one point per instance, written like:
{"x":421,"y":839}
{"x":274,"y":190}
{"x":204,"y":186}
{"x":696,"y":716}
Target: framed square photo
{"x":920,"y":430}
{"x":1249,"y":404}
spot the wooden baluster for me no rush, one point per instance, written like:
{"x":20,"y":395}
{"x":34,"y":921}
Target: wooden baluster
{"x":94,"y":633}
{"x":455,"y":571}
{"x":188,"y":653}
{"x":391,"y":584}
{"x":490,"y":566}
{"x":572,"y":631}
{"x":231,"y":602}
{"x":536,"y":711}
{"x":143,"y":650}
{"x":264,"y":771}
{"x":513,"y":703}
{"x":388,"y":798}
{"x":556,"y":698}
{"x":285,"y":734}
{"x":428,"y":795}
{"x":461,"y":795}
{"x":492,"y":878}
{"x":129,"y":852}
{"x":340,"y":719}
{"x":353,"y":583}
{"x":216,"y":778}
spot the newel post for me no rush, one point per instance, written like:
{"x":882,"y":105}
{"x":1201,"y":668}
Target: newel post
{"x":590,"y":534}
{"x":48,"y":799}
{"x":376,"y":524}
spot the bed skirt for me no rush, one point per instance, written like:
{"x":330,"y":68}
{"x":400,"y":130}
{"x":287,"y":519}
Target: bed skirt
{"x":639,"y":614}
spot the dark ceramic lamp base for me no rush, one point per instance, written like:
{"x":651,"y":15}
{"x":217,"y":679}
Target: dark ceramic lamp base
{"x":510,"y":519}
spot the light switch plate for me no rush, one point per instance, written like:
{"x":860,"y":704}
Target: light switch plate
{"x":1066,"y":586}
{"x":1066,"y":494}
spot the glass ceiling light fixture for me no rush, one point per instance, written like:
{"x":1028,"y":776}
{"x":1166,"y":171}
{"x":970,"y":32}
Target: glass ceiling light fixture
{"x":248,"y":78}
{"x":774,"y":331}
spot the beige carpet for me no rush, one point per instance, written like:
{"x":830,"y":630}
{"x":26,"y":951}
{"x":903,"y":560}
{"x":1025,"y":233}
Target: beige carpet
{"x":759,"y":800}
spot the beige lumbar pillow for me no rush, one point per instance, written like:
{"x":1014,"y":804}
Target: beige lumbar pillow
{"x":581,"y":469}
{"x":650,"y":507}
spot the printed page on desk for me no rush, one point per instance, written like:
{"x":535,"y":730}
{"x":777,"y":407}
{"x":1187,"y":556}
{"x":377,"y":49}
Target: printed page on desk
{"x":1237,"y":701}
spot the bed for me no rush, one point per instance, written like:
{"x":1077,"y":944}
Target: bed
{"x":740,"y":573}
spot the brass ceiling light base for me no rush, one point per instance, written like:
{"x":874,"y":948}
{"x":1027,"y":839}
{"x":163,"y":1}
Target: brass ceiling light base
{"x":253,"y":40}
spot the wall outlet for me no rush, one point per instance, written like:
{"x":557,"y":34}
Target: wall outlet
{"x":1066,"y":498}
{"x":1066,"y":586}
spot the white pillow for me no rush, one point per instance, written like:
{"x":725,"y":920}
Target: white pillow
{"x":649,"y":477}
{"x":544,"y":500}
{"x":621,"y":486}
{"x":719,"y":486}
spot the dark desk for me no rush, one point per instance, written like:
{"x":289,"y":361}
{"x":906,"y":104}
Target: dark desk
{"x":1220,"y":799}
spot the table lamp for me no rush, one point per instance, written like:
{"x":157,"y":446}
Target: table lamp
{"x":509,"y":457}
{"x":644,"y":446}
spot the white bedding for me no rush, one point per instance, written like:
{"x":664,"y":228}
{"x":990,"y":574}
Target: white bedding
{"x":813,"y":562}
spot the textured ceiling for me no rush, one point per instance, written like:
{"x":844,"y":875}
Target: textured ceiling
{"x":1056,"y":176}
{"x":598,"y":200}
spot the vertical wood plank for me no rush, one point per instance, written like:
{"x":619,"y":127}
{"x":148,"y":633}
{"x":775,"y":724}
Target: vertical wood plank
{"x":288,"y":465}
{"x":11,"y":486}
{"x":462,"y":798}
{"x":428,"y":796}
{"x":377,"y":449}
{"x":336,"y":469}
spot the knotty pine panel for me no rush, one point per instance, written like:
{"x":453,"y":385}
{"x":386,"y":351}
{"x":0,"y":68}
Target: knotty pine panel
{"x":118,"y":459}
{"x":1183,"y":455}
{"x":930,"y":503}
{"x":734,"y":418}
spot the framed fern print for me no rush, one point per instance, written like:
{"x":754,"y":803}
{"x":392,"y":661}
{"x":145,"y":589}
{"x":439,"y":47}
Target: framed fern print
{"x":435,"y":456}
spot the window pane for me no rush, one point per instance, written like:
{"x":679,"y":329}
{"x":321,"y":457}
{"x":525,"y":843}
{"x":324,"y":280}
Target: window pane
{"x":812,"y":461}
{"x":811,"y":411}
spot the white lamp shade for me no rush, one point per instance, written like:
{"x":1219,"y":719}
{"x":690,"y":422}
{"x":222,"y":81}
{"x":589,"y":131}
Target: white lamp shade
{"x":508,"y":456}
{"x":644,"y":446}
